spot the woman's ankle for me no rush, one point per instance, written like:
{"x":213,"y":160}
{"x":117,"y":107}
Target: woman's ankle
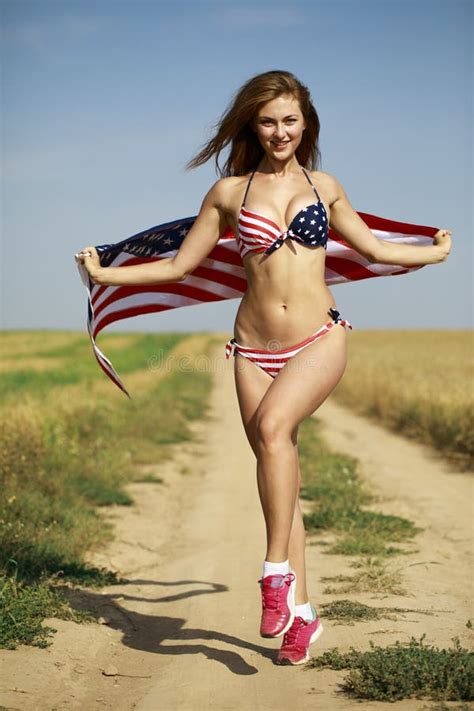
{"x":270,"y":568}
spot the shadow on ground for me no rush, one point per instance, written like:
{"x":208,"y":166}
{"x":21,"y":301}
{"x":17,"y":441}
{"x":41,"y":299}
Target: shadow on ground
{"x":159,"y":634}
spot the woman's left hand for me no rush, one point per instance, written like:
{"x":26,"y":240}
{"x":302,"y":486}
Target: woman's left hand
{"x":89,"y":258}
{"x":442,"y":239}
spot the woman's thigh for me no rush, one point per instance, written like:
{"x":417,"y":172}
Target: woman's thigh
{"x":252,"y":383}
{"x":304,"y":383}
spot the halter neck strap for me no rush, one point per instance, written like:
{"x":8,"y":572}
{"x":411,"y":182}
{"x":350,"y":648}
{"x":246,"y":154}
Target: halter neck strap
{"x":253,"y":173}
{"x":310,"y":182}
{"x":248,"y":186}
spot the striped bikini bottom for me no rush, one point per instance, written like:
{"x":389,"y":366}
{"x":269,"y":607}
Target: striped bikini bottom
{"x":272,"y":361}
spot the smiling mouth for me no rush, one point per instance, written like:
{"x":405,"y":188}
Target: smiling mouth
{"x":280,"y":145}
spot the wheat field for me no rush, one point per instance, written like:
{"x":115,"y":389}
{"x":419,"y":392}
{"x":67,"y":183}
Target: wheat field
{"x":419,"y":383}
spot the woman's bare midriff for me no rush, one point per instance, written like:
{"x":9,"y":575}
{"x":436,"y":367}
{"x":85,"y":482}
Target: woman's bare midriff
{"x":287,"y":297}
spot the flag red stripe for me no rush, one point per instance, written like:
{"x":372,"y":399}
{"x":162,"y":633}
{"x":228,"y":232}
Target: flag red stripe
{"x":128,"y":313}
{"x":180,"y":288}
{"x":225,"y":278}
{"x":374,"y":222}
{"x":224,"y":254}
{"x":209,"y":273}
{"x":353,"y":271}
{"x":348,"y":267}
{"x":221,"y":277}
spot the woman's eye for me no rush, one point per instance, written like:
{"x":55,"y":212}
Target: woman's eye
{"x":269,"y":123}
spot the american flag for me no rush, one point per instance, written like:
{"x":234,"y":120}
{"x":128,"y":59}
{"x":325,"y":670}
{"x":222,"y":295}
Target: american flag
{"x":221,"y":275}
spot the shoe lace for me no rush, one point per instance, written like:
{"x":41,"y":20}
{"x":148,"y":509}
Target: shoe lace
{"x":291,"y":637}
{"x":271,"y":596}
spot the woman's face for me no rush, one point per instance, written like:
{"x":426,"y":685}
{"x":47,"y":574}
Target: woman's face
{"x":279,"y":125}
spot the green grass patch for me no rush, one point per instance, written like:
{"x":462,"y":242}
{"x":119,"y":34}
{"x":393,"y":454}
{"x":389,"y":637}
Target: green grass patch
{"x":350,"y":611}
{"x":148,"y":479}
{"x":400,"y":672}
{"x":80,"y":365}
{"x":57,"y":469}
{"x":23,"y":609}
{"x":333,"y":485}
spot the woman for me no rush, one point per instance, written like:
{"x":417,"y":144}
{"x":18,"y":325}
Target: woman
{"x":280,"y":208}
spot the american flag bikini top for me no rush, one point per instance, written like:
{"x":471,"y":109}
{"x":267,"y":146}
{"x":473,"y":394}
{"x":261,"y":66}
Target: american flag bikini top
{"x":258,"y":233}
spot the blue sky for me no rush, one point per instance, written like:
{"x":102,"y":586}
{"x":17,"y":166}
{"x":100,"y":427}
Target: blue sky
{"x":104,"y":102}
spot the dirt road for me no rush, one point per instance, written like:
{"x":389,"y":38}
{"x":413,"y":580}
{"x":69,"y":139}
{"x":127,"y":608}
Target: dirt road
{"x":183,"y":632}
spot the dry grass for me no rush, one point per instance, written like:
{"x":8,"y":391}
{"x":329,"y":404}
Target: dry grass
{"x":37,"y":363}
{"x":419,"y":383}
{"x":373,"y":575}
{"x":26,"y":343}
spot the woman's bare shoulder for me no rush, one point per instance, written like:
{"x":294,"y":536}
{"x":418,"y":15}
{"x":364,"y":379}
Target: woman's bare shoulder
{"x":324,"y":178}
{"x":328,"y":183}
{"x":231,"y":182}
{"x":226,"y":189}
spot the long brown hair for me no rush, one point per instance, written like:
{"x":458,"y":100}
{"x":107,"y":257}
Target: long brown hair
{"x":235,"y":128}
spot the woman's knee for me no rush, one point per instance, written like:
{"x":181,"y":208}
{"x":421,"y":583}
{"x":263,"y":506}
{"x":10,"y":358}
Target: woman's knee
{"x":272,"y":430}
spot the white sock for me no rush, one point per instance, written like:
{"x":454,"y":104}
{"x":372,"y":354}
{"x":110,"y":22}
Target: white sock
{"x":275,"y":568}
{"x":305,"y":611}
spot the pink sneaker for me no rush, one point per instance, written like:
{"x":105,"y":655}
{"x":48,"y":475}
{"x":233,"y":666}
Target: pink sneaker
{"x":278,"y":604}
{"x":295,"y":647}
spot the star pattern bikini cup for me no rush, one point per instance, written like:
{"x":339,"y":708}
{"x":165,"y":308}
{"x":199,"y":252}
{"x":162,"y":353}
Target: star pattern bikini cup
{"x":257,"y":233}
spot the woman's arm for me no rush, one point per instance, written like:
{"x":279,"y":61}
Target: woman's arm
{"x":200,"y":240}
{"x":350,"y":226}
